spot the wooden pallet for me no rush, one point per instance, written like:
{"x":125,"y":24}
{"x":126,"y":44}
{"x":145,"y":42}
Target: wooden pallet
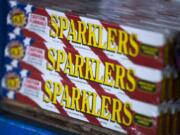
{"x":53,"y":120}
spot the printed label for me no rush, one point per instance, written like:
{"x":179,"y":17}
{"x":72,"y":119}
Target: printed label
{"x":35,"y":55}
{"x":37,"y":23}
{"x":31,"y":87}
{"x":143,"y":120}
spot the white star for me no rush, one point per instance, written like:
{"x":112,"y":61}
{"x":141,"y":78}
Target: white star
{"x":8,"y":68}
{"x":8,"y":19}
{"x":27,"y":41}
{"x":14,"y":63}
{"x":11,"y":94}
{"x":6,"y":52}
{"x":24,"y":73}
{"x":28,"y":8}
{"x":17,"y":31}
{"x":11,"y":36}
{"x":3,"y":84}
{"x":13,"y":3}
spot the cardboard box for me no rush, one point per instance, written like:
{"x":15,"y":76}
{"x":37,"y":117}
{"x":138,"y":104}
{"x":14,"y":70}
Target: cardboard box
{"x":135,"y":81}
{"x":149,"y":47}
{"x":57,"y":95}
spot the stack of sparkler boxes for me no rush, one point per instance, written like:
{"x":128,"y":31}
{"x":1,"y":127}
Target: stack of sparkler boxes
{"x":107,"y":74}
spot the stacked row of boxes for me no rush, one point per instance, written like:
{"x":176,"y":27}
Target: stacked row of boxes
{"x":111,"y":75}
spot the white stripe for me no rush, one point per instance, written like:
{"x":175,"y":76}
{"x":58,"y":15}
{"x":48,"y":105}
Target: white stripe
{"x":71,"y":113}
{"x":96,"y":56}
{"x":60,"y":46}
{"x":150,"y":37}
{"x":137,"y":106}
{"x":157,"y":39}
{"x":112,"y":125}
{"x":46,"y":106}
{"x":141,"y":72}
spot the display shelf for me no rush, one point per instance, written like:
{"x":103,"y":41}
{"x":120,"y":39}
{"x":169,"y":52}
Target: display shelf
{"x":10,"y":125}
{"x":52,"y":120}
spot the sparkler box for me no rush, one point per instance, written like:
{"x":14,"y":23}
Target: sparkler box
{"x":57,"y":95}
{"x":82,"y":66}
{"x":149,"y":47}
{"x":103,"y":73}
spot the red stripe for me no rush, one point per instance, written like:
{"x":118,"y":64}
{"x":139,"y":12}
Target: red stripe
{"x":34,"y":74}
{"x":24,"y":99}
{"x":33,"y":35}
{"x":65,"y":79}
{"x":140,"y":59}
{"x":153,"y":98}
{"x":137,"y":94}
{"x":95,"y":85}
{"x":40,"y":39}
{"x":91,"y":119}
